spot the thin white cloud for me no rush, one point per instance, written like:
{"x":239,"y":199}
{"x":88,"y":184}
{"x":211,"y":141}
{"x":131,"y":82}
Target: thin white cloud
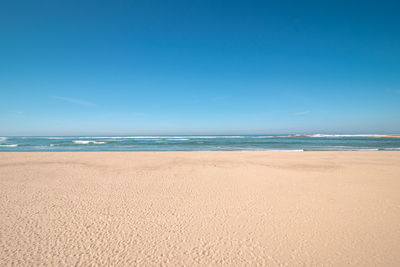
{"x":16,"y":112}
{"x":391,"y":90}
{"x":220,"y":98}
{"x":138,"y":114}
{"x":300,"y":113}
{"x":75,"y":101}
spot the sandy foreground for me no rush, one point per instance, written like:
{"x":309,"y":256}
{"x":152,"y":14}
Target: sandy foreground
{"x":200,"y":208}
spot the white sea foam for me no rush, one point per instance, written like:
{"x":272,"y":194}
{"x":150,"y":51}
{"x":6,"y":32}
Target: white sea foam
{"x":123,"y":137}
{"x":87,"y":142}
{"x":2,"y":139}
{"x":178,"y":139}
{"x":342,"y":148}
{"x":12,"y":145}
{"x":283,"y":150}
{"x":273,"y":136}
{"x":158,"y":137}
{"x":150,"y":137}
{"x":231,"y":148}
{"x":147,"y":139}
{"x":217,"y":136}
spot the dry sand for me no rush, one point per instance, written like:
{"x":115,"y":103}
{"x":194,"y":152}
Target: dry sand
{"x":200,"y":208}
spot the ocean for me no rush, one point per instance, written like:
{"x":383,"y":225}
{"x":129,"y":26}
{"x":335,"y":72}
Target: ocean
{"x":316,"y":142}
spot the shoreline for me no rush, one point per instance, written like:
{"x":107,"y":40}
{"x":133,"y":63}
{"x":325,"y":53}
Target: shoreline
{"x":198,"y":151}
{"x":204,"y":152}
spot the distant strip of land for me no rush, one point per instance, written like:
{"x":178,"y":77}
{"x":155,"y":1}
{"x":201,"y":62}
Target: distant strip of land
{"x":390,"y":136}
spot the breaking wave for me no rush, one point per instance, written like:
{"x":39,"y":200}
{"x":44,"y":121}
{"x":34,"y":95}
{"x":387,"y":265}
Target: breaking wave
{"x":87,"y":142}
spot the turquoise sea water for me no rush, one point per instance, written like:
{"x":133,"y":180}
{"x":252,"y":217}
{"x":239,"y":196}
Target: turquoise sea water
{"x":198,"y":143}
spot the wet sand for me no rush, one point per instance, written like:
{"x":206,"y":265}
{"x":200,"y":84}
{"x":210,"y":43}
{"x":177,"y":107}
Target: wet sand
{"x":200,"y":208}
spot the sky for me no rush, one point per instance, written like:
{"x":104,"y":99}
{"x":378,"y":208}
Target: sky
{"x":199,"y":67}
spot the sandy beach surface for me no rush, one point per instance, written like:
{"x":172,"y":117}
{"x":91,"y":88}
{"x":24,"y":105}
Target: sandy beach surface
{"x":200,"y":208}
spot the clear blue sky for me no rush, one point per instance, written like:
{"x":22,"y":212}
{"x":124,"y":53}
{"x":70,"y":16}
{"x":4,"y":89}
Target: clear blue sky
{"x":217,"y":67}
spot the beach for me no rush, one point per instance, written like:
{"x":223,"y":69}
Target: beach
{"x":236,"y":208}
